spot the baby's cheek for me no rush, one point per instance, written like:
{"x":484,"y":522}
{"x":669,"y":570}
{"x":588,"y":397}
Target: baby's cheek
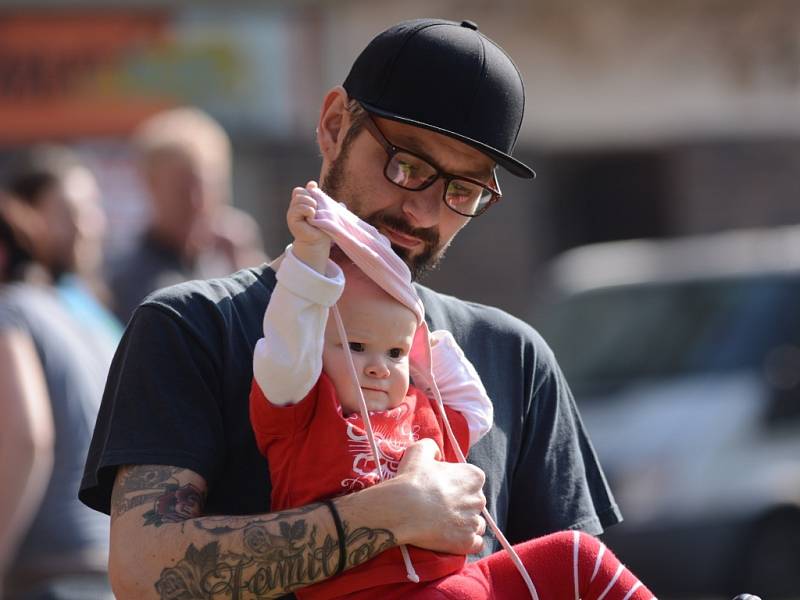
{"x":404,"y":377}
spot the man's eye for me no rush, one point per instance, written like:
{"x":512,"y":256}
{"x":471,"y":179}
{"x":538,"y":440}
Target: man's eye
{"x":406,"y":168}
{"x":396,"y":353}
{"x":409,"y":171}
{"x":356,"y":346}
{"x":460,"y":194}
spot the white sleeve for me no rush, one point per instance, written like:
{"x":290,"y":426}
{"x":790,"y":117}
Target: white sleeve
{"x":460,"y":386}
{"x":287,"y":361}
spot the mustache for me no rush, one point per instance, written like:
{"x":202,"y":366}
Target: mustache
{"x":427,"y":235}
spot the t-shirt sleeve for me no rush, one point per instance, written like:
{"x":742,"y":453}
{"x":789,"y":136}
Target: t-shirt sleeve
{"x":557,"y":480}
{"x":159,"y":405}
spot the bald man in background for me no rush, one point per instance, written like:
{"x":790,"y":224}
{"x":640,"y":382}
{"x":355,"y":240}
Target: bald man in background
{"x":184,"y":161}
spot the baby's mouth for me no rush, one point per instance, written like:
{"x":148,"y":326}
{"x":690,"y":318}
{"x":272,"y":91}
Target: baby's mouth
{"x":372,"y":389}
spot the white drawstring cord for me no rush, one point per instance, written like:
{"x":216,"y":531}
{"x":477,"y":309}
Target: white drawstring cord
{"x":410,"y":572}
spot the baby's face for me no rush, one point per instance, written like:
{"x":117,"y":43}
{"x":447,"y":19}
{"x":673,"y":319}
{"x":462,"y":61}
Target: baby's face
{"x":380,"y":331}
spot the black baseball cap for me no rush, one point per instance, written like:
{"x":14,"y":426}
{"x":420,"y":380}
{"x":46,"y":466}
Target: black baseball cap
{"x":447,"y":77}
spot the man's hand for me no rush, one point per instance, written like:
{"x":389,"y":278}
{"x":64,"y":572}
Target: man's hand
{"x":311,"y":245}
{"x":432,"y":504}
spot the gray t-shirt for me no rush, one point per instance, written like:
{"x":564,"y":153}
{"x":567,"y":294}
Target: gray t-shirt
{"x":75,"y":367}
{"x":178,"y":391}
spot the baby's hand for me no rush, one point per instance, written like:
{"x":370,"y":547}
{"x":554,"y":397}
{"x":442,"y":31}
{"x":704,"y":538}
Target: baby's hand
{"x":303,"y":208}
{"x":311,"y":245}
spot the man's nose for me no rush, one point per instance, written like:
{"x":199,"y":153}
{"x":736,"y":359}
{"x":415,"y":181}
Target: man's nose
{"x":422,"y":208}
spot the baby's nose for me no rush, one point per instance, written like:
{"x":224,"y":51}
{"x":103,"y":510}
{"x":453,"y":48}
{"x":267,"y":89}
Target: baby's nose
{"x":377,"y":368}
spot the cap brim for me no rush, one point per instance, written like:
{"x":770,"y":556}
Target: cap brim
{"x":510,"y":164}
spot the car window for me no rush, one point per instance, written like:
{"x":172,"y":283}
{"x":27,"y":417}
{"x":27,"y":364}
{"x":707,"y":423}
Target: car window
{"x":609,"y":336}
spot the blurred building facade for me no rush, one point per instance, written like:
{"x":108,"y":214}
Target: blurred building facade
{"x":643,"y":119}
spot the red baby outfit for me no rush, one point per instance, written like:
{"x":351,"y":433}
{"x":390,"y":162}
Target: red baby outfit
{"x":564,"y":566}
{"x":314,"y":452}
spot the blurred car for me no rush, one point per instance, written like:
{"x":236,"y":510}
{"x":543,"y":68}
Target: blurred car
{"x":684,"y":357}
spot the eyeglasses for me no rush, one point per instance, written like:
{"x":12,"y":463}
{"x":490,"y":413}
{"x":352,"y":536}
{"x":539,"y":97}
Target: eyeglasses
{"x":468,"y":197}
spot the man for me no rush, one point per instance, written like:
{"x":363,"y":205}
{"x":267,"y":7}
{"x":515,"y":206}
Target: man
{"x":184,"y":163}
{"x":410,"y":143}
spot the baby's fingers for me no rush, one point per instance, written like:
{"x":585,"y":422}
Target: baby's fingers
{"x":302,"y":205}
{"x":302,"y":211}
{"x":303,"y":197}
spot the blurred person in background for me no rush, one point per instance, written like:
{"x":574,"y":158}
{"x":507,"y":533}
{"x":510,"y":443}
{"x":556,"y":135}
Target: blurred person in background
{"x":184,"y":162}
{"x":412,"y":149}
{"x":54,"y":176}
{"x":52,"y":371}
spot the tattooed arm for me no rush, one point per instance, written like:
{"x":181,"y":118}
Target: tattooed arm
{"x":163,"y":547}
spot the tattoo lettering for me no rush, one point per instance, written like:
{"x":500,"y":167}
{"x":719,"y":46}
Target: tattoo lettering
{"x":123,"y":505}
{"x":160,"y":486}
{"x":363,"y":544}
{"x":279,"y":555}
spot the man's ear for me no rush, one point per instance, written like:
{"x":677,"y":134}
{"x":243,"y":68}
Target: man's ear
{"x":333,"y":121}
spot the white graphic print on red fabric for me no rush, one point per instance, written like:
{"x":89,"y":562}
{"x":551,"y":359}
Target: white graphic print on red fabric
{"x":392,"y":436}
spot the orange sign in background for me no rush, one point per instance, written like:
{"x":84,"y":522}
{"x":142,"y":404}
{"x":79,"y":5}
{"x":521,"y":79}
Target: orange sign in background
{"x":65,"y":75}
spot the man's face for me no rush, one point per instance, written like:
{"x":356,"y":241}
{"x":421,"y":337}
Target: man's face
{"x":183,"y":197}
{"x":418,"y":223}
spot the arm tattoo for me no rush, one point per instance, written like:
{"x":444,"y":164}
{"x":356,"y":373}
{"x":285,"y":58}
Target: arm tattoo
{"x":279,"y":554}
{"x":160,"y":487}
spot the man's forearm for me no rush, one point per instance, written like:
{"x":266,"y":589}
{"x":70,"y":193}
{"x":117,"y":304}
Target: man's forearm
{"x":255,"y":557}
{"x":160,"y":552}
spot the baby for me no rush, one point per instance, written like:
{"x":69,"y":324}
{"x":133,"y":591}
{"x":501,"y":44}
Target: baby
{"x":305,"y":412}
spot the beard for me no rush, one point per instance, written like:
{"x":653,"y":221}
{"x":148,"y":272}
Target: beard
{"x":334,"y":184}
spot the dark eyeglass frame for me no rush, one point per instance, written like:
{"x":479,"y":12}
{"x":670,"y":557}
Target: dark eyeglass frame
{"x":392,"y":150}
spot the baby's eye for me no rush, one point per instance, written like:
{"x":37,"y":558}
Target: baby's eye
{"x":396,"y":353}
{"x":356,"y":346}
